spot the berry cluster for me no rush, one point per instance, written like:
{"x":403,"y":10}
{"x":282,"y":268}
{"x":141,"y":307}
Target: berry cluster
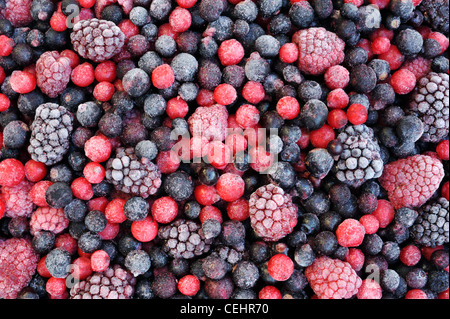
{"x":224,"y":149}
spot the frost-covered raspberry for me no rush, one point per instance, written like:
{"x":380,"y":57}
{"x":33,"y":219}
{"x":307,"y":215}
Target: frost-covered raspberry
{"x":17,"y":12}
{"x":419,"y":66}
{"x":50,"y":219}
{"x":97,"y":40}
{"x":210,"y":122}
{"x":52,"y":73}
{"x":410,"y":182}
{"x":18,"y":263}
{"x":114,"y":283}
{"x":319,"y":49}
{"x":332,"y":278}
{"x":16,"y":199}
{"x":272,"y":213}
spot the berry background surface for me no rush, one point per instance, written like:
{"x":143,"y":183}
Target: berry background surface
{"x":224,"y":149}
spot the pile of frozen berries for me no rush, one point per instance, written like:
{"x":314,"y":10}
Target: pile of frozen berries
{"x":224,"y":149}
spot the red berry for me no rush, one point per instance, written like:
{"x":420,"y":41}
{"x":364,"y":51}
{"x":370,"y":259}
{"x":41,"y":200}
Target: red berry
{"x":186,"y":3}
{"x":370,"y":223}
{"x":6,"y":45}
{"x":337,"y":99}
{"x":167,"y":161}
{"x":230,"y":52}
{"x":288,"y":53}
{"x":238,"y":210}
{"x":145,"y":230}
{"x":225,"y":94}
{"x":410,"y":255}
{"x":442,"y":149}
{"x":2,"y":209}
{"x":67,"y":242}
{"x":236,"y":142}
{"x":83,"y":75}
{"x":357,"y":114}
{"x":128,"y":29}
{"x":206,"y":195}
{"x":82,"y":189}
{"x":416,"y":294}
{"x":280,"y":267}
{"x":104,"y":91}
{"x":81,"y":268}
{"x":98,"y":203}
{"x":22,"y":82}
{"x":357,"y":3}
{"x":189,"y":285}
{"x":403,"y":81}
{"x":4,"y":102}
{"x":180,"y":19}
{"x":37,"y":193}
{"x":230,"y":187}
{"x":336,"y":77}
{"x":98,"y":148}
{"x":384,"y":213}
{"x":247,"y":115}
{"x":269,"y":292}
{"x":370,"y":289}
{"x":288,"y":107}
{"x":58,"y":21}
{"x":94,"y":172}
{"x":55,"y":286}
{"x":355,"y":258}
{"x":380,"y":3}
{"x":210,"y":212}
{"x":35,"y":171}
{"x":114,"y":211}
{"x":177,"y":107}
{"x":87,"y":3}
{"x":442,"y":39}
{"x":445,"y":191}
{"x":381,"y":45}
{"x":337,"y":119}
{"x":218,"y":154}
{"x":321,"y":137}
{"x":105,"y":71}
{"x":166,"y":29}
{"x":110,"y":231}
{"x":205,"y":98}
{"x":2,"y":75}
{"x":99,"y":260}
{"x":350,"y":233}
{"x":164,"y":210}
{"x":253,"y":92}
{"x":12,"y":172}
{"x":393,"y":57}
{"x":260,"y":159}
{"x":163,"y":76}
{"x":367,"y":46}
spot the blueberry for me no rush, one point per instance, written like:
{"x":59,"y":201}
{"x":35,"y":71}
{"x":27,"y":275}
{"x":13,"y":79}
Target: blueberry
{"x":409,"y":128}
{"x":401,"y":8}
{"x":304,"y":255}
{"x":58,"y":195}
{"x":304,"y":188}
{"x":363,"y":78}
{"x":309,"y":90}
{"x":389,"y":280}
{"x":192,"y":209}
{"x":245,"y":274}
{"x":318,"y":203}
{"x":127,"y":243}
{"x":409,"y":42}
{"x":89,"y":242}
{"x":139,"y":16}
{"x":178,"y":185}
{"x":233,"y":232}
{"x":165,"y":46}
{"x":325,"y":242}
{"x":136,"y":208}
{"x":136,"y":82}
{"x":137,"y":262}
{"x":257,"y":69}
{"x":75,"y":210}
{"x":269,"y":8}
{"x":319,"y":162}
{"x":95,"y":221}
{"x":208,"y":175}
{"x":113,"y":13}
{"x":440,"y":64}
{"x":246,"y":10}
{"x":381,"y":68}
{"x":267,"y":46}
{"x":160,"y":9}
{"x":210,"y":10}
{"x":43,"y":241}
{"x":15,"y":134}
{"x":310,"y":224}
{"x":149,"y":61}
{"x":28,"y":103}
{"x":184,"y":66}
{"x":143,"y":289}
{"x":146,"y":149}
{"x":58,"y":262}
{"x":88,"y":114}
{"x":110,"y":125}
{"x":259,"y":252}
{"x":164,"y":285}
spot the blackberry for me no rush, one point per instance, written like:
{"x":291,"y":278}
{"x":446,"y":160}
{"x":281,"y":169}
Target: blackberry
{"x":97,"y":40}
{"x":113,"y":283}
{"x":50,"y":133}
{"x":435,"y":13}
{"x":431,"y":227}
{"x":184,"y":239}
{"x":360,"y":160}
{"x":429,"y":101}
{"x":131,"y":175}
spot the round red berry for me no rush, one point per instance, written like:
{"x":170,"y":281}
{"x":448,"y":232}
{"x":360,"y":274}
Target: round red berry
{"x":12,"y":172}
{"x":104,"y":91}
{"x":206,"y":195}
{"x":445,"y":191}
{"x":164,"y":209}
{"x":218,"y":154}
{"x":238,"y":210}
{"x":55,"y":286}
{"x":336,"y":77}
{"x":180,"y":19}
{"x":369,"y":289}
{"x":114,"y":211}
{"x":269,"y":292}
{"x":260,"y":159}
{"x":370,"y":223}
{"x":98,"y":148}
{"x":81,"y":268}
{"x":230,"y":187}
{"x":410,"y":255}
{"x":145,"y":230}
{"x":280,"y":267}
{"x":253,"y":92}
{"x":186,"y":3}
{"x":357,"y":114}
{"x":35,"y":171}
{"x":321,"y":137}
{"x":393,"y":57}
{"x":177,"y":107}
{"x":6,"y":45}
{"x":4,"y":102}
{"x":337,"y":118}
{"x":58,"y":22}
{"x":381,"y":45}
{"x":98,"y":203}
{"x":94,"y":172}
{"x":247,"y":115}
{"x":416,"y":294}
{"x":236,"y":142}
{"x":37,"y":193}
{"x":82,"y":189}
{"x":225,"y":94}
{"x":288,"y":53}
{"x":384,"y":213}
{"x":189,"y":285}
{"x":350,"y":233}
{"x":210,"y":212}
{"x":99,"y":260}
{"x":22,"y":82}
{"x":205,"y":98}
{"x":2,"y":208}
{"x":288,"y":107}
{"x":67,"y":242}
{"x":87,"y":3}
{"x":355,"y":257}
{"x":441,"y":39}
{"x":163,"y":76}
{"x":110,"y":231}
{"x":230,"y":52}
{"x":337,"y":99}
{"x":105,"y":71}
{"x":2,"y":75}
{"x":403,"y":81}
{"x":83,"y":75}
{"x":442,"y":149}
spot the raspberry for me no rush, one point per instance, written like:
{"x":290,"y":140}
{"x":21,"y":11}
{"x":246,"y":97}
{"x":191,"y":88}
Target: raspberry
{"x":411,"y":181}
{"x":336,"y":77}
{"x":52,"y":73}
{"x":17,"y":12}
{"x":319,"y":49}
{"x":97,"y":40}
{"x":419,"y":66}
{"x":210,"y":122}
{"x":48,"y":218}
{"x":332,"y":278}
{"x":272,"y":213}
{"x":18,"y":262}
{"x":16,"y":199}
